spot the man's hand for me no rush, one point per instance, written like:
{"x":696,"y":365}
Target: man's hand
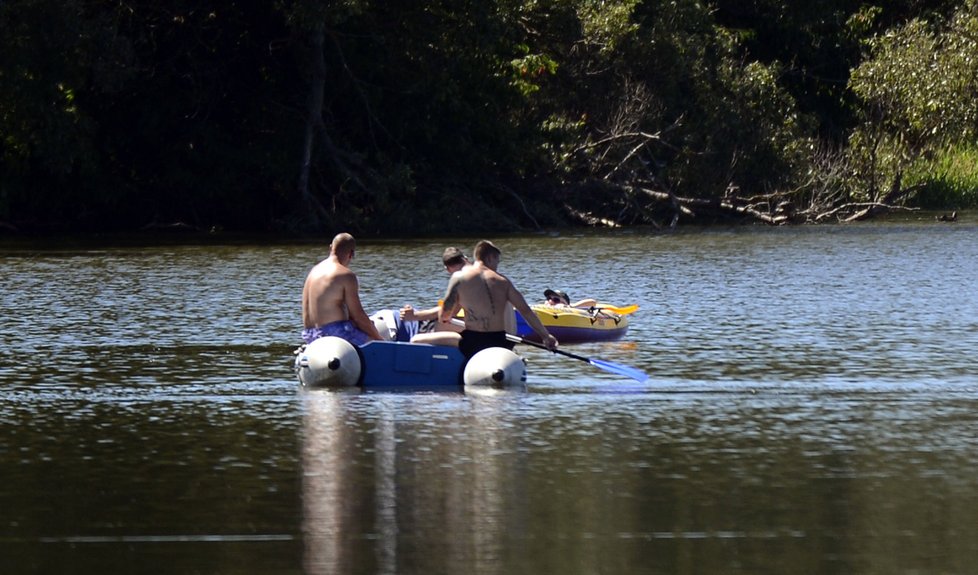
{"x":407,"y":313}
{"x":551,"y":342}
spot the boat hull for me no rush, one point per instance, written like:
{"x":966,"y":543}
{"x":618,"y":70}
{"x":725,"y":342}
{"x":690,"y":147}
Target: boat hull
{"x":573,"y":325}
{"x":332,"y":362}
{"x":396,"y":364}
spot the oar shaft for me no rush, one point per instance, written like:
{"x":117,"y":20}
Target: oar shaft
{"x":619,"y":369}
{"x":517,"y":339}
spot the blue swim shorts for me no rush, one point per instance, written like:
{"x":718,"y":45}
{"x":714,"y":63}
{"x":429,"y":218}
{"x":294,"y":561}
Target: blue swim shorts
{"x":344,"y":329}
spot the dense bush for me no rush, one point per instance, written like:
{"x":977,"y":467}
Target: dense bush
{"x":949,"y":181}
{"x":919,"y":98}
{"x":464,"y":115}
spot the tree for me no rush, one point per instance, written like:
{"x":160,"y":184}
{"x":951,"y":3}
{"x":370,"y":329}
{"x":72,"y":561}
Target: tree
{"x":919,"y":94}
{"x":53,"y":58}
{"x":652,"y":99}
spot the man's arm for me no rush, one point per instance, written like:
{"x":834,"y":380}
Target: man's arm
{"x":351,"y":298}
{"x":451,"y":303}
{"x":519,"y":302}
{"x":408,"y":313}
{"x":511,"y":319}
{"x":305,"y":303}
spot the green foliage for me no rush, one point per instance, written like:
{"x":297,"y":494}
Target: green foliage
{"x":526,"y":70}
{"x":919,"y":95}
{"x":46,"y":135}
{"x":671,"y":106}
{"x":115,"y":116}
{"x":120,"y":115}
{"x":913,"y":86}
{"x":949,"y":181}
{"x":607,"y":24}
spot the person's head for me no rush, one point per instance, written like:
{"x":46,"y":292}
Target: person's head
{"x":556,"y":297}
{"x":487,"y":253}
{"x":454,"y":259}
{"x":343,"y":247}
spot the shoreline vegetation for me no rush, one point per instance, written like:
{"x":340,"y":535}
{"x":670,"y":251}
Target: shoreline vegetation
{"x":184,"y":234}
{"x":472,"y":117}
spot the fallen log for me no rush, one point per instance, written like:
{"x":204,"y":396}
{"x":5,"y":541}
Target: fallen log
{"x":731,"y":206}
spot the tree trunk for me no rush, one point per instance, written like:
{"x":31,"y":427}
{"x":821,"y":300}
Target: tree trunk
{"x":314,"y":118}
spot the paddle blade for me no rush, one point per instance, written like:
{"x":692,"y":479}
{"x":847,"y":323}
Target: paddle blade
{"x":619,"y":310}
{"x":627,"y":371}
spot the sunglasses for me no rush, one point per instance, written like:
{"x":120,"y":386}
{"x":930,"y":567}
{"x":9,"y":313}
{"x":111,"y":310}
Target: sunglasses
{"x":555,"y":299}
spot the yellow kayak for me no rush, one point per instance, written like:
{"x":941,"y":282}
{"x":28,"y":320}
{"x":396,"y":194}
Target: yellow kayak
{"x":578,"y":325}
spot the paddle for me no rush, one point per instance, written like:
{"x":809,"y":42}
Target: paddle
{"x":615,"y":309}
{"x":627,"y":371}
{"x":600,"y":307}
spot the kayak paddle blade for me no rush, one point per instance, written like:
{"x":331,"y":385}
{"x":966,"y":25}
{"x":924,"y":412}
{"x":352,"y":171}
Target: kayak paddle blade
{"x":627,"y":371}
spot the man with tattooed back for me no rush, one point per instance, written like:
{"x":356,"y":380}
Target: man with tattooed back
{"x":484,"y":294}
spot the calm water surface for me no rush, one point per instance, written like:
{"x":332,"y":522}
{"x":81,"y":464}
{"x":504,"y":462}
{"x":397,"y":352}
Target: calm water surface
{"x":813,"y":408}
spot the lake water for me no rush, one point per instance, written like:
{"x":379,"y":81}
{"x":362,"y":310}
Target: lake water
{"x":812,"y":408}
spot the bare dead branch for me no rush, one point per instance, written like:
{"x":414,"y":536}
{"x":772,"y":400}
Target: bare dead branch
{"x":589,"y":219}
{"x":523,"y":205}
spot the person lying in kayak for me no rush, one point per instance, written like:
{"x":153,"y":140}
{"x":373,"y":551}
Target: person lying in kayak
{"x":483,"y":293}
{"x":331,"y":298}
{"x":557,"y":298}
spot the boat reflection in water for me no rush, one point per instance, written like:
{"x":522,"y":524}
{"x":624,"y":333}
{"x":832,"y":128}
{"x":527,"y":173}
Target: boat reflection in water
{"x":386,"y":490}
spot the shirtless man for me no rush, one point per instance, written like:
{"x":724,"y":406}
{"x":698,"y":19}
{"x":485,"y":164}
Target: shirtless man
{"x":483,"y":293}
{"x":331,"y":298}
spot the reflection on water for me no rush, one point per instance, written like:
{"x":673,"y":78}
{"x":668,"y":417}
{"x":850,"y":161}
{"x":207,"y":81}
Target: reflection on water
{"x":811,"y":409}
{"x":755,"y":481}
{"x":374,"y":501}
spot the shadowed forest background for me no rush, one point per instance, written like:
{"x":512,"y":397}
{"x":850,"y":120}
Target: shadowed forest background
{"x":479,"y":115}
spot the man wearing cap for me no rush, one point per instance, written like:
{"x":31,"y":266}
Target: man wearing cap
{"x":484,"y":294}
{"x":555,"y":297}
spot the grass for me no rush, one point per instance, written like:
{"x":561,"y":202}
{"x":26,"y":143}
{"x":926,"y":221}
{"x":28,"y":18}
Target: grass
{"x":950,"y":181}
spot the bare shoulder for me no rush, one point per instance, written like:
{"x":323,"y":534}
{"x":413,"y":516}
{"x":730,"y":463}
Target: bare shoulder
{"x":455,"y":278}
{"x":502,"y":277}
{"x":324,"y":268}
{"x":337,"y":271}
{"x":499,"y":279}
{"x":466,"y":273}
{"x":345,"y":276}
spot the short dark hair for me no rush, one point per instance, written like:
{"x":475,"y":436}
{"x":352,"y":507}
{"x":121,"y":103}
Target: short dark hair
{"x":485,"y":248}
{"x":452,"y":256}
